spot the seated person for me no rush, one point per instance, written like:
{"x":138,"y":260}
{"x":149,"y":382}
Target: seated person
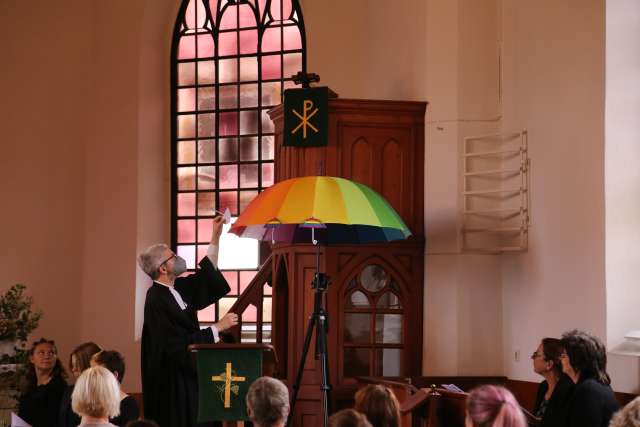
{"x":79,"y":361}
{"x":553,"y":392}
{"x":629,"y":416}
{"x":268,"y":402}
{"x":584,"y":360}
{"x":96,"y":397}
{"x":379,"y":405}
{"x":43,"y":386}
{"x":142,"y":423}
{"x":493,"y":406}
{"x":348,"y":418}
{"x":114,"y":362}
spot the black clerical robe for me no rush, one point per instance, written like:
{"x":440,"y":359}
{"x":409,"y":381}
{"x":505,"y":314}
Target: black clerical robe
{"x":169,"y":381}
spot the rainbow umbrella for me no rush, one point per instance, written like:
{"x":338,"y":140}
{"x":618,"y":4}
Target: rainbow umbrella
{"x":330,"y":209}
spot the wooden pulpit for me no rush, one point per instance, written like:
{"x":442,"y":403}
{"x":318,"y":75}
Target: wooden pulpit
{"x":225,"y":372}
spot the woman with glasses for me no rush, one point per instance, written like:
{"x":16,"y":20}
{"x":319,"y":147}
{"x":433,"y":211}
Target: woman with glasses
{"x":584,"y":360}
{"x":44,"y":385}
{"x":553,"y":392}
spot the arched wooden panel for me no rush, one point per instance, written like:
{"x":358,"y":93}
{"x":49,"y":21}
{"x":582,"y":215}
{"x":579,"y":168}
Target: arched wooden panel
{"x":393,"y":177}
{"x":361,"y":162}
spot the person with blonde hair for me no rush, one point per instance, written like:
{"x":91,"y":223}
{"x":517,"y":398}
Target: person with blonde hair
{"x":629,"y":416}
{"x":96,"y":397}
{"x":379,"y":405}
{"x":493,"y":406}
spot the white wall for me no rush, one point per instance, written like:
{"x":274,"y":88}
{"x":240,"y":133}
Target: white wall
{"x":622,"y":184}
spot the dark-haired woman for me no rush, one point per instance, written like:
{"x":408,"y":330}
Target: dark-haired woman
{"x":584,"y":360}
{"x":79,"y":361}
{"x":553,"y":392}
{"x":44,"y":385}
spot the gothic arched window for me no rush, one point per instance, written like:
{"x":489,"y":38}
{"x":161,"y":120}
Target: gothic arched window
{"x":231,"y":62}
{"x":373,"y":333}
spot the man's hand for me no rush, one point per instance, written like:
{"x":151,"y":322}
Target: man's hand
{"x":218,"y":222}
{"x":229,"y":320}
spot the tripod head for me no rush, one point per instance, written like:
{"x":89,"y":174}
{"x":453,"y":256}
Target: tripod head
{"x":320,"y":282}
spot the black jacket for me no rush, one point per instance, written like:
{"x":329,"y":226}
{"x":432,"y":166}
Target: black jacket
{"x":39,"y":406}
{"x":556,"y":412}
{"x":591,"y":404}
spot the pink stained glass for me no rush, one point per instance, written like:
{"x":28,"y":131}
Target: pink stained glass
{"x":249,"y":69}
{"x":186,"y":231}
{"x":228,"y":70}
{"x":206,"y":204}
{"x":206,"y":72}
{"x":186,"y":204}
{"x":228,"y":97}
{"x":205,"y":228}
{"x":271,"y":93}
{"x":266,"y":309}
{"x":206,"y":151}
{"x":206,"y":98}
{"x":229,"y":199}
{"x":201,"y":252}
{"x":292,"y":64}
{"x":229,"y":123}
{"x":245,"y":278}
{"x":186,"y":100}
{"x":267,"y":147}
{"x":186,"y":152}
{"x":262,"y":7}
{"x":248,"y":41}
{"x":229,"y":19}
{"x":267,"y":174}
{"x":271,"y":40}
{"x":247,"y":197}
{"x":266,"y":289}
{"x":227,"y":44}
{"x":188,"y":252}
{"x":292,"y":39}
{"x":271,"y":67}
{"x":206,"y":125}
{"x":232,"y":279}
{"x":250,"y":314}
{"x":228,"y":177}
{"x":279,"y":14}
{"x":208,"y":314}
{"x":186,"y":73}
{"x":248,"y":122}
{"x":186,"y":126}
{"x":228,"y":149}
{"x":249,"y":95}
{"x":249,"y":148}
{"x":248,"y":176}
{"x":206,"y":178}
{"x":247,"y":17}
{"x":186,"y":178}
{"x":195,"y":15}
{"x":267,"y":123}
{"x":224,"y":305}
{"x":187,"y":47}
{"x":205,"y":46}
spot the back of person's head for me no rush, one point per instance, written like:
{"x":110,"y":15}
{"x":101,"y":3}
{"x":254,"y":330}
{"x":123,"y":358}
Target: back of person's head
{"x":587,"y":355}
{"x":112,"y":360}
{"x":348,"y":418}
{"x":82,"y":355}
{"x":268,"y":402}
{"x":552,"y":349}
{"x":379,"y":404}
{"x":142,"y":423}
{"x":151,"y":259}
{"x":96,"y":394}
{"x":629,"y":416}
{"x":493,"y":406}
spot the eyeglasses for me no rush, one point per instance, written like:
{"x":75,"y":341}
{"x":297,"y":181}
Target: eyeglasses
{"x":536,"y":355}
{"x":168,"y":259}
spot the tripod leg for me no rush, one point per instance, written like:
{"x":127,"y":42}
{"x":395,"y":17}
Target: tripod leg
{"x":322,"y":352}
{"x":305,"y":349}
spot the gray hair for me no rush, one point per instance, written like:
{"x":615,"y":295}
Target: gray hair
{"x":629,"y":416}
{"x":151,"y":259}
{"x":268,"y":401}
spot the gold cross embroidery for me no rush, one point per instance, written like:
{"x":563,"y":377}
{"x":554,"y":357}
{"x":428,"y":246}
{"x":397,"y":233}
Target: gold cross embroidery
{"x":304,"y":118}
{"x":227,"y":377}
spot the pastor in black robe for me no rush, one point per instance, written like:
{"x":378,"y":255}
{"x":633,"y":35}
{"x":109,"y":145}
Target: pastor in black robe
{"x":169,"y":380}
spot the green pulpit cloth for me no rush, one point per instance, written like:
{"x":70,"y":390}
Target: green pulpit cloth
{"x":224,"y":377}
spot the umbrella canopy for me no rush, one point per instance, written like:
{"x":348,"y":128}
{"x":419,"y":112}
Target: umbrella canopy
{"x":335,"y":210}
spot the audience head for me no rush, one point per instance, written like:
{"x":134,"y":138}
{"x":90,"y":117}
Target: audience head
{"x":96,"y":394}
{"x":142,"y":423}
{"x":348,"y":418}
{"x":585,"y":356}
{"x":268,"y":402}
{"x":379,"y":404}
{"x":43,"y":360}
{"x":546,"y":359}
{"x":112,"y":360}
{"x":159,"y":260}
{"x":493,"y":406}
{"x":629,"y":416}
{"x":80,"y":358}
